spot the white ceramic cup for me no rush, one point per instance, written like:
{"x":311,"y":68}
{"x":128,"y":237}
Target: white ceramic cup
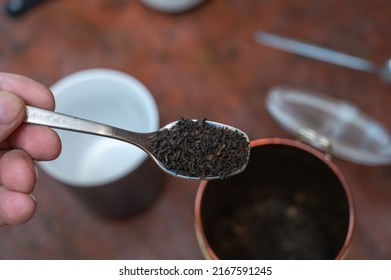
{"x":172,"y":6}
{"x":113,"y":177}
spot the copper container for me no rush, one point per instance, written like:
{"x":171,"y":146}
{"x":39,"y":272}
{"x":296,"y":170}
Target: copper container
{"x":291,"y":202}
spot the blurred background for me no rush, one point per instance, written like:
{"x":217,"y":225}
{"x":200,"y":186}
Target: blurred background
{"x":200,"y":63}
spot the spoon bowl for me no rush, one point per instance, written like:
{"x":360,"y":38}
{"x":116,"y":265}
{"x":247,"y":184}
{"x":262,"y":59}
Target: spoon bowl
{"x":320,"y":53}
{"x":384,"y":72}
{"x":218,"y":154}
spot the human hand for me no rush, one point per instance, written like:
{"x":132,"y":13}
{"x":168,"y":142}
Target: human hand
{"x":21,"y":144}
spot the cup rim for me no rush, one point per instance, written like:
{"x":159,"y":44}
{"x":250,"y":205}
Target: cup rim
{"x":205,"y":247}
{"x":115,"y":75}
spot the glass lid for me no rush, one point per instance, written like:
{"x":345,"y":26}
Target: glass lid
{"x":331,"y":125}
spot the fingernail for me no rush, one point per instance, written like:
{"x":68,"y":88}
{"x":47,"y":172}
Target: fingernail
{"x":33,"y":197}
{"x":36,"y":172}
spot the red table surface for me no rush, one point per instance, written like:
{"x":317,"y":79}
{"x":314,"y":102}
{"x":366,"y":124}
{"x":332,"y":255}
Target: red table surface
{"x":201,"y":63}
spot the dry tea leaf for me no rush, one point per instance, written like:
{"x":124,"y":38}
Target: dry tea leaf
{"x":196,"y":148}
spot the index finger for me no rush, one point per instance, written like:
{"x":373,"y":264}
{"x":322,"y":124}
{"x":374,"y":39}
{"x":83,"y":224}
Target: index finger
{"x":32,"y":92}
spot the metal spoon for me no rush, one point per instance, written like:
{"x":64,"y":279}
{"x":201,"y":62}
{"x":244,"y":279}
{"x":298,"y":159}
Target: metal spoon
{"x":61,"y":121}
{"x":324,"y":54}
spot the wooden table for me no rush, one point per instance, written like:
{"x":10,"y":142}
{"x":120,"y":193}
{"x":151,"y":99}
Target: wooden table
{"x":202,"y":63}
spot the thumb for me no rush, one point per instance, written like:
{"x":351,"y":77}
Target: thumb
{"x":12,"y":113}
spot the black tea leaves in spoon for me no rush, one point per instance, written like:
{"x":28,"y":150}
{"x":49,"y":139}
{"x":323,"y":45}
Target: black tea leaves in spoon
{"x":196,"y":148}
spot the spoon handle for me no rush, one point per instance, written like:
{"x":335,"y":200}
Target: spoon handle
{"x":315,"y":52}
{"x":61,"y":121}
